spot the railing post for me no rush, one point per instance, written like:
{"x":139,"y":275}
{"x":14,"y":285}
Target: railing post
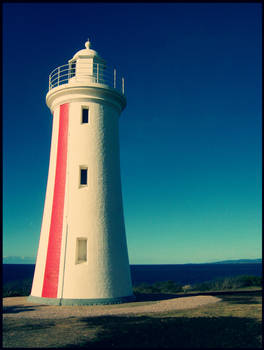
{"x":58,"y":76}
{"x":123,"y":86}
{"x":114,"y":78}
{"x":97,"y":72}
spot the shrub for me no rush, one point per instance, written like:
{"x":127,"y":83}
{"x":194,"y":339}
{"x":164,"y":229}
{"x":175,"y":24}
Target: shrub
{"x":145,"y":288}
{"x":229,"y":283}
{"x":168,"y":287}
{"x":158,"y":287}
{"x":17,"y":288}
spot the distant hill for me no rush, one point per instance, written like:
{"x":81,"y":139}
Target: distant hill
{"x":30,"y":260}
{"x":18,"y":260}
{"x":239,"y":261}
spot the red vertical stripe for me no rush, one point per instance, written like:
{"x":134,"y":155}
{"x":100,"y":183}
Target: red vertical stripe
{"x":51,"y":275}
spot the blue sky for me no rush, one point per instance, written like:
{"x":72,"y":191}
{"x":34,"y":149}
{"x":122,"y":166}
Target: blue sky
{"x":190,"y":136}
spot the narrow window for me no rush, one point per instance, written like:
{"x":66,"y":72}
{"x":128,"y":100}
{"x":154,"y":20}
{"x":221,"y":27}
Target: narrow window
{"x":81,"y":250}
{"x":85,"y":115}
{"x":83,"y":176}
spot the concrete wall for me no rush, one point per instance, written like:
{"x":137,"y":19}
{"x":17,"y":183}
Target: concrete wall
{"x":95,"y":211}
{"x":46,"y":218}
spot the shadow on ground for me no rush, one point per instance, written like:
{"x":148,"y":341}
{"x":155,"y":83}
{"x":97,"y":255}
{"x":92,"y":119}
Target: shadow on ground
{"x":147,"y":332}
{"x":17,"y":309}
{"x":154,"y":296}
{"x":164,"y":296}
{"x":133,"y":332}
{"x":14,"y":309}
{"x":136,"y":331}
{"x":238,"y":299}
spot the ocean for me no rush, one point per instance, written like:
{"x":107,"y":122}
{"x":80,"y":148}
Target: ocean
{"x":180,"y":273}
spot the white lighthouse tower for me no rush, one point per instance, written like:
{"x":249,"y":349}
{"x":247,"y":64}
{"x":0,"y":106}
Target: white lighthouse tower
{"x":82,"y":256}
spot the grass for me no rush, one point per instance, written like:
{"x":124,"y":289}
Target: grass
{"x":17,"y":288}
{"x":219,"y":284}
{"x":229,"y":283}
{"x":23,"y":287}
{"x":234,"y":322}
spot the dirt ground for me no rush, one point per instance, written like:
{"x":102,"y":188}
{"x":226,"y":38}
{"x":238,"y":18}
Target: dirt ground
{"x":31,"y":325}
{"x":19,"y":307}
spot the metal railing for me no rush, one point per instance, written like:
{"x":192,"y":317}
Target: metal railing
{"x":96,"y":73}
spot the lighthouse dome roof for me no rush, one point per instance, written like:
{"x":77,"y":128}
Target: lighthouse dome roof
{"x":87,"y":53}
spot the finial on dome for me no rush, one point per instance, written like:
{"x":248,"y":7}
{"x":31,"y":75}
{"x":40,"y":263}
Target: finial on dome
{"x":87,"y":44}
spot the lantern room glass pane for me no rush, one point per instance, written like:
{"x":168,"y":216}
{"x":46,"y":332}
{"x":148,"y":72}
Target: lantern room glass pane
{"x":72,"y":69}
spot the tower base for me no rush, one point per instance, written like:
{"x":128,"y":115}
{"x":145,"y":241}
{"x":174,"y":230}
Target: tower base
{"x":105,"y":301}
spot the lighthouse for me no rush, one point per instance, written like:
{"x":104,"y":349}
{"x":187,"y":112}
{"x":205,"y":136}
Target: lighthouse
{"x":82,"y":256}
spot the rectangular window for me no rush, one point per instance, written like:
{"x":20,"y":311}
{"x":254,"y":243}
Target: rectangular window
{"x":85,"y":114}
{"x":83,"y":176}
{"x":81,"y":250}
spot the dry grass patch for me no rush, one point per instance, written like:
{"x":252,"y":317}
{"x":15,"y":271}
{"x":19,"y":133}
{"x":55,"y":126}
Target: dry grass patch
{"x":234,"y":322}
{"x":246,"y":306}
